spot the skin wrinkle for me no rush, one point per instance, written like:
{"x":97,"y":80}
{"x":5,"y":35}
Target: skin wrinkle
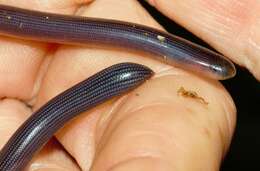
{"x":147,"y":106}
{"x":141,"y":107}
{"x":132,"y":114}
{"x":126,"y":117}
{"x":223,"y":142}
{"x":106,"y":118}
{"x":38,"y":79}
{"x":136,"y":154}
{"x":39,"y":166}
{"x":164,"y":137}
{"x":20,"y":112}
{"x":53,"y":156}
{"x":234,"y":12}
{"x":99,"y":143}
{"x":213,"y":27}
{"x":229,"y":126}
{"x":85,"y":139}
{"x":156,"y":133}
{"x":223,"y":109}
{"x":224,"y":136}
{"x":163,"y":100}
{"x":113,"y":167}
{"x":23,"y":46}
{"x":208,"y":128}
{"x":227,"y":106}
{"x":27,"y":63}
{"x":252,"y":63}
{"x":20,"y":108}
{"x":40,"y":76}
{"x":244,"y":37}
{"x":253,"y":40}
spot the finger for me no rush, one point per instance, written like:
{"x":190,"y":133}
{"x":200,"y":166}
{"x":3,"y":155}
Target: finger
{"x":22,"y":61}
{"x":13,"y":114}
{"x":73,"y":64}
{"x":160,"y":129}
{"x":232,"y":27}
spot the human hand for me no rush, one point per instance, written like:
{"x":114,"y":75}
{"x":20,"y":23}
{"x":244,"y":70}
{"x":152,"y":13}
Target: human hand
{"x":152,"y":128}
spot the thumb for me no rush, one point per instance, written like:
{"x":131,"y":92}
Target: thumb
{"x":161,"y":129}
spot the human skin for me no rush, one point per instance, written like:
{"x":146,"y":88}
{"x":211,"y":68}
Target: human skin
{"x":151,"y":128}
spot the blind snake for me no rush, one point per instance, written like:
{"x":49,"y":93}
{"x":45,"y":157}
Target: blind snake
{"x":66,"y":29}
{"x":42,"y":124}
{"x":115,"y":80}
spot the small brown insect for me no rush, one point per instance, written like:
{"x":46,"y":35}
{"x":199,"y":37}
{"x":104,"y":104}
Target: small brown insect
{"x":191,"y":94}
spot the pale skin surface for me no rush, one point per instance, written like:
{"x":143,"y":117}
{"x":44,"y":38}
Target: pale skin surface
{"x":151,"y":128}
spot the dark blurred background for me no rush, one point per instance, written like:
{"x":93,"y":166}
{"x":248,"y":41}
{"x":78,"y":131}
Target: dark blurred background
{"x":245,"y":89}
